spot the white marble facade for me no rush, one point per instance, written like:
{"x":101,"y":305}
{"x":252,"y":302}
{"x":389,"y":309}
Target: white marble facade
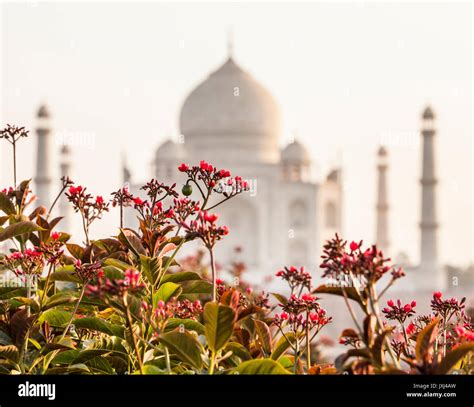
{"x":233,"y":122}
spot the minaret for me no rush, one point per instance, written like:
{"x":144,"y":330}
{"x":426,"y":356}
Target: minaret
{"x":382,"y":201}
{"x":43,"y":178}
{"x":64,"y":205}
{"x":428,"y":224}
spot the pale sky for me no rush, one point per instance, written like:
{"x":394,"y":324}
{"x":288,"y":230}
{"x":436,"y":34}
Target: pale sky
{"x":348,"y":76}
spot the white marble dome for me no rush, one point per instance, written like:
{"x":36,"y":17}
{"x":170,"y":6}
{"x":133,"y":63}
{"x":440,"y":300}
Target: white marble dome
{"x":170,"y":151}
{"x":296,"y":153}
{"x":230,"y":110}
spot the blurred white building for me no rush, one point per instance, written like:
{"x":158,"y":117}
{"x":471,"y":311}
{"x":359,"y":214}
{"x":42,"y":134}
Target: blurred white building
{"x":233,"y":122}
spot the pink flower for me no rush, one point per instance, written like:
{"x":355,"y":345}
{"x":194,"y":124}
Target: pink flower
{"x":99,"y":200}
{"x":354,"y":246}
{"x":219,"y":281}
{"x":55,"y":235}
{"x":183,"y":167}
{"x":137,"y":201}
{"x":224,"y":230}
{"x":437,"y":295}
{"x":411,"y":328}
{"x":224,"y":173}
{"x":413,"y":304}
{"x":407,"y":308}
{"x":284,"y":316}
{"x":211,"y":218}
{"x":390,"y":303}
{"x":75,"y":190}
{"x":205,"y":166}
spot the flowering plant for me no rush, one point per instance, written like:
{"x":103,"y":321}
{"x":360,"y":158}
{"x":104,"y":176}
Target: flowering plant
{"x":125,"y":304}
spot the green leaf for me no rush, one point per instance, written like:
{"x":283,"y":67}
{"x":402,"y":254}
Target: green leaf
{"x":218,"y":325}
{"x":9,"y":352}
{"x":185,"y":346}
{"x":6,"y":205}
{"x":260,"y":366}
{"x":65,"y":357}
{"x":88,"y":354}
{"x":425,"y":340}
{"x":113,"y":273}
{"x":281,"y":298}
{"x":264,"y":335}
{"x":65,"y":273}
{"x":189,"y":324}
{"x":180,"y":277}
{"x":18,"y":229}
{"x":100,"y":365}
{"x":165,"y":292}
{"x":238,"y":350}
{"x":129,"y":238}
{"x":150,"y":370}
{"x":12,"y":292}
{"x":76,"y":251}
{"x":60,"y":298}
{"x":77,"y":368}
{"x":151,"y":269}
{"x":97,"y":324}
{"x":334,"y":290}
{"x":196,"y":287}
{"x":378,"y":347}
{"x":117,"y":263}
{"x":56,"y":317}
{"x":454,"y":357}
{"x":282,"y":346}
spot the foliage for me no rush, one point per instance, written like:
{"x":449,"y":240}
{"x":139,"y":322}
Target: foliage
{"x":124,"y":304}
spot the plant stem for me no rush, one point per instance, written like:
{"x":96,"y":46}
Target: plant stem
{"x":167,"y":359}
{"x":308,"y":343}
{"x":121,"y":216}
{"x":55,"y":202}
{"x":351,"y":311}
{"x":297,"y":351}
{"x":86,"y":229}
{"x":213,"y":269}
{"x":14,"y":163}
{"x":76,"y":307}
{"x":134,"y":339}
{"x":46,"y":284}
{"x":212,"y":362}
{"x":24,"y":345}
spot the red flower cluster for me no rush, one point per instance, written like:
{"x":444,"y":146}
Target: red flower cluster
{"x":122,"y":197}
{"x":296,"y":278}
{"x":209,"y":179}
{"x":90,"y":207}
{"x":204,"y":227}
{"x":116,"y":287}
{"x":446,"y":308}
{"x":52,"y":249}
{"x":182,"y":209}
{"x":302,"y":314}
{"x":364,"y":265}
{"x":13,"y":133}
{"x":86,"y":271}
{"x":399,"y":312}
{"x":464,"y":334}
{"x":184,"y":309}
{"x":30,"y":262}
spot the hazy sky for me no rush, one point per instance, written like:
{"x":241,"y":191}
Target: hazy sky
{"x":347,"y":76}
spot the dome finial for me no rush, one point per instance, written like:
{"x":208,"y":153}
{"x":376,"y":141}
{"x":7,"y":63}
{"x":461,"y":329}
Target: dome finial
{"x":230,"y":43}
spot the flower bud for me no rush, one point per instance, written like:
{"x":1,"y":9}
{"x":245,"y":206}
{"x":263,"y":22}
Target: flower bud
{"x":187,"y":190}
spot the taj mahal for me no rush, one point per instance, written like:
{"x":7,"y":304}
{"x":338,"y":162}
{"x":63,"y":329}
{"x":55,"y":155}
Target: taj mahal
{"x":232,"y":121}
